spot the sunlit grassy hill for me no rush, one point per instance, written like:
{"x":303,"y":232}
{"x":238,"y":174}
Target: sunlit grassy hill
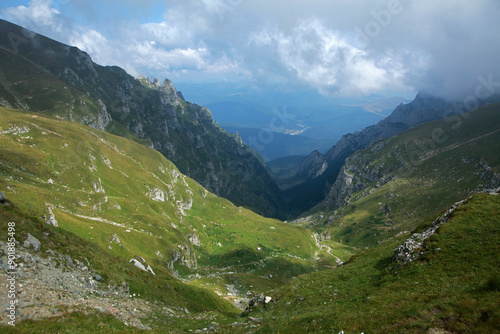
{"x":101,"y":188}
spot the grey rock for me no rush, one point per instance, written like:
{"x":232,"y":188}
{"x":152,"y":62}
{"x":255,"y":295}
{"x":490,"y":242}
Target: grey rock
{"x":69,"y":260}
{"x":312,"y":165}
{"x":52,"y":218}
{"x":2,"y":197}
{"x":138,"y":264}
{"x":35,"y":242}
{"x":97,"y":277}
{"x":194,"y":239}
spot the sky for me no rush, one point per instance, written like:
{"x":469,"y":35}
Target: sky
{"x":337,"y":47}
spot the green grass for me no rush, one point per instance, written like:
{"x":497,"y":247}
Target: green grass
{"x":453,"y":287}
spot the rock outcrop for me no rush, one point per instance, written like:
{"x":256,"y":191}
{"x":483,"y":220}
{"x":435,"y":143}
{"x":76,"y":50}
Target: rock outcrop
{"x":51,"y":220}
{"x":139,"y":262}
{"x":414,"y":247}
{"x":31,"y":240}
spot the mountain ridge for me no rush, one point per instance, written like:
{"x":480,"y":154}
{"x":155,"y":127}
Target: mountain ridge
{"x":109,"y":98}
{"x":321,"y":170}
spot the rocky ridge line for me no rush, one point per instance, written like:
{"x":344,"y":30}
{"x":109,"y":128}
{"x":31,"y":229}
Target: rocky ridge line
{"x":413,"y":248}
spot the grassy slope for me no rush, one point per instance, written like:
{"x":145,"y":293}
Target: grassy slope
{"x":64,"y":165}
{"x":161,"y":290}
{"x":455,"y":286}
{"x":437,"y":171}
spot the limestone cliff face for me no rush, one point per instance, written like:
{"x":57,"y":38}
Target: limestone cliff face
{"x":357,"y":174}
{"x":115,"y":101}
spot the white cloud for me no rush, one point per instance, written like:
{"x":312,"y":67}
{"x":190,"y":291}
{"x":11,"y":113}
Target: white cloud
{"x":440,"y":45}
{"x":39,"y":15}
{"x":325,"y":59}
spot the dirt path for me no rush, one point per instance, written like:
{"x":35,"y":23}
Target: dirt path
{"x":321,"y":246}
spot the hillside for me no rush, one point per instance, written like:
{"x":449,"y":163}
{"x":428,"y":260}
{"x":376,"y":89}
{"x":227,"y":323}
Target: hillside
{"x":392,"y":185}
{"x":113,"y":200}
{"x":41,"y":75}
{"x":451,"y":286}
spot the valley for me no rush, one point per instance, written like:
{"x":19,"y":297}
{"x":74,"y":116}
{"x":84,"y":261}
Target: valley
{"x":131,"y":210}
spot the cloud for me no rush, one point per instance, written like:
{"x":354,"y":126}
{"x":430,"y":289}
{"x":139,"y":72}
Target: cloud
{"x":39,"y":15}
{"x":342,"y":47}
{"x":326,"y":60}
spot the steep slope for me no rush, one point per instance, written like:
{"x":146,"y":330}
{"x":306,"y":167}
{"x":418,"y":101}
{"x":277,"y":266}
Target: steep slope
{"x":132,"y":203}
{"x":318,"y":172}
{"x":452,"y":287}
{"x":42,"y":75}
{"x":393,"y":184}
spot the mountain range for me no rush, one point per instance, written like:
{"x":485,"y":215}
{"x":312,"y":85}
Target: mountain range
{"x":132,"y":210}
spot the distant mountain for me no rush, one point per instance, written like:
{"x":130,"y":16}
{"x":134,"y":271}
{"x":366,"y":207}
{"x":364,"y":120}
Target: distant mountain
{"x":273,"y":145}
{"x":319,"y":172}
{"x":316,"y":116}
{"x":39,"y":74}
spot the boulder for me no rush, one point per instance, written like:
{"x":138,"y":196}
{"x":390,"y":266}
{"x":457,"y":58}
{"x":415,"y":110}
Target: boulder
{"x":34,"y":242}
{"x":2,"y":197}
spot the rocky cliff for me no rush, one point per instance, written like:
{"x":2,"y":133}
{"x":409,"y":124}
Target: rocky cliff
{"x":399,"y":156}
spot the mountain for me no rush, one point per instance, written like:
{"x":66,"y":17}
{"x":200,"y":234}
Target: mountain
{"x":319,"y":172}
{"x":395,"y":183}
{"x":41,"y":75}
{"x":274,"y":145}
{"x":111,"y":217}
{"x":299,"y":109}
